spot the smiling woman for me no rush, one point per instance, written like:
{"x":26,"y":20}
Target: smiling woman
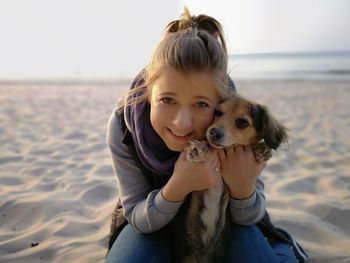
{"x":182,"y":106}
{"x":171,"y":102}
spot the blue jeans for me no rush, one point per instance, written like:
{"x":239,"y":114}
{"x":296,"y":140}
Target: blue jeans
{"x":246,"y":244}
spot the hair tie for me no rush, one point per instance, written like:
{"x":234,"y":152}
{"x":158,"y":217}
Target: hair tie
{"x":193,"y":24}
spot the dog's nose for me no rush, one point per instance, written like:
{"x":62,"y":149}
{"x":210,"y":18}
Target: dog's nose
{"x":215,"y":134}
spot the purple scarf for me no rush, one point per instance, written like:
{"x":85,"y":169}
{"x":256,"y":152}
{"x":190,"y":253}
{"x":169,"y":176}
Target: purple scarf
{"x":151,"y":149}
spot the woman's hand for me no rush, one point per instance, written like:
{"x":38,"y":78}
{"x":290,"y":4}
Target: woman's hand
{"x":240,"y":170}
{"x":188,"y":177}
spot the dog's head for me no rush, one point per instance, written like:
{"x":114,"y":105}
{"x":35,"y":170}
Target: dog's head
{"x":240,"y":121}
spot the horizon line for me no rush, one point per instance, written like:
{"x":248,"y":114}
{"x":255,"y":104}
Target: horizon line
{"x":300,"y":52}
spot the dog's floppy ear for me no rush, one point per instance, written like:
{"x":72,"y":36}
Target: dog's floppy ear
{"x":267,"y":126}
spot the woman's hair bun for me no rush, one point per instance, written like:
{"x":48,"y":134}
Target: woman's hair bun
{"x":188,"y":22}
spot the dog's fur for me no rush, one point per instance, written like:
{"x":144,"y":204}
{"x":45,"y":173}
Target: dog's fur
{"x":238,"y":121}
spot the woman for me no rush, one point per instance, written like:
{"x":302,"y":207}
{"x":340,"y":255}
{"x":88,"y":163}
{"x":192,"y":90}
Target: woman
{"x":170,"y":102}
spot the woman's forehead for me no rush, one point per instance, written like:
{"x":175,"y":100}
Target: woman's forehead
{"x":172,"y":81}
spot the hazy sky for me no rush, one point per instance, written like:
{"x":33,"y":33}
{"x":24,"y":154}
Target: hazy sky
{"x":106,"y":38}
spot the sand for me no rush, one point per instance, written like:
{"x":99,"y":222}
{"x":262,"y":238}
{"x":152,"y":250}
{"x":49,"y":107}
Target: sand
{"x":57,"y":188}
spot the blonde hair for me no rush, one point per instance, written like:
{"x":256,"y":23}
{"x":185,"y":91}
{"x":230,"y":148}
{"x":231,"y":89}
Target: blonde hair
{"x":191,"y":44}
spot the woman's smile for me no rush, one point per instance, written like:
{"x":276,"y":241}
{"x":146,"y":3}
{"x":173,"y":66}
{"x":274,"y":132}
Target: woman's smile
{"x":181,"y":136}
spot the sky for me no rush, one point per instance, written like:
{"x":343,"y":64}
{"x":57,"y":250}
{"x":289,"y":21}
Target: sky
{"x":115,"y":38}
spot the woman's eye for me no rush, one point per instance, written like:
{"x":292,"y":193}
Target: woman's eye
{"x":167,"y":100}
{"x":201,"y":105}
{"x":241,"y":123}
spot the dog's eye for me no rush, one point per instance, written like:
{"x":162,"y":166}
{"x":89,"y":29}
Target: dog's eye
{"x":218,"y":113}
{"x":242,"y":123}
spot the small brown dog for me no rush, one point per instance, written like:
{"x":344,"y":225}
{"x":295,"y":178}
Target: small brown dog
{"x":238,"y":121}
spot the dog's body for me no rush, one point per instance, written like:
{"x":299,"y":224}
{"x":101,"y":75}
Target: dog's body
{"x":205,"y":222}
{"x":238,"y":122}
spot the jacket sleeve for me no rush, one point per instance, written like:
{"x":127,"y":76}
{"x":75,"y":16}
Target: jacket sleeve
{"x":146,"y":210}
{"x":252,"y":210}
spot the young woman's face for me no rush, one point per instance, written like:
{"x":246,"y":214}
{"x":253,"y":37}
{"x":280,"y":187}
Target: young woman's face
{"x":182,"y":106}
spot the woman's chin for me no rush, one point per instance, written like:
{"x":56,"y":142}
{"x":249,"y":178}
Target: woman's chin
{"x":177,"y":147}
{"x":176,"y":143}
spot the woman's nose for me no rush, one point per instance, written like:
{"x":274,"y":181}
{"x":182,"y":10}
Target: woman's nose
{"x":183,"y":118}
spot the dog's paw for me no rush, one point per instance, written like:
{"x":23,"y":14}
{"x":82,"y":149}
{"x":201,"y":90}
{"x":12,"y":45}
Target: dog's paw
{"x":197,"y":151}
{"x":262,"y":152}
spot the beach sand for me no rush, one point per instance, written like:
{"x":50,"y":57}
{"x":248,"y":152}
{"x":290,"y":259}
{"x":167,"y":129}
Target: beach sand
{"x":57,"y":187}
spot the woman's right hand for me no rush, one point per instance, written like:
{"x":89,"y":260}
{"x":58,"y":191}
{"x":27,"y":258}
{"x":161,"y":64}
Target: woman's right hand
{"x":188,"y":177}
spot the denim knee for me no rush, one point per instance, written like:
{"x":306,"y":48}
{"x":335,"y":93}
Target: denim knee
{"x":132,"y":246}
{"x":247,"y":244}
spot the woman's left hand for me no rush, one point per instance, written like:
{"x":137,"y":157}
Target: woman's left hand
{"x":240,"y":170}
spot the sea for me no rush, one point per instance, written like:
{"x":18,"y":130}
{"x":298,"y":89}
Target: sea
{"x":304,"y":65}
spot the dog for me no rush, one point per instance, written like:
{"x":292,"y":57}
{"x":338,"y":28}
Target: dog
{"x":238,"y":121}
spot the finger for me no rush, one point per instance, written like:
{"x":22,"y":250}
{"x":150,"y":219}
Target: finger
{"x":215,"y":162}
{"x":230,"y":152}
{"x":249,"y":153}
{"x":240,"y":153}
{"x":238,"y":149}
{"x":222,"y":154}
{"x":218,"y":164}
{"x":241,"y":148}
{"x":248,"y":148}
{"x":183,"y":155}
{"x":217,"y":169}
{"x":214,"y":153}
{"x":217,"y":173}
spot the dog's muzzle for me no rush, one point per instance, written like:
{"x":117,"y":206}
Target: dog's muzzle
{"x":215,"y":135}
